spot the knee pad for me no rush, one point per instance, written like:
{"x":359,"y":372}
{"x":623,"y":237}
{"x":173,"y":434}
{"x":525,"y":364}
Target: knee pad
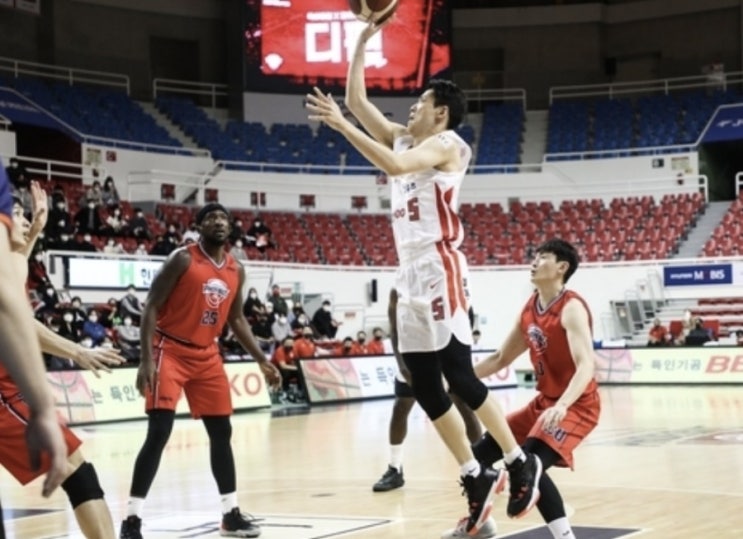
{"x":83,"y":486}
{"x":468,"y":387}
{"x":433,"y":399}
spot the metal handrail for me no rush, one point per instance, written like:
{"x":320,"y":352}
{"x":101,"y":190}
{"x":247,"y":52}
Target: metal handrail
{"x":497,"y":94}
{"x":174,"y":86}
{"x":617,"y":152}
{"x":664,"y":86}
{"x":70,"y":74}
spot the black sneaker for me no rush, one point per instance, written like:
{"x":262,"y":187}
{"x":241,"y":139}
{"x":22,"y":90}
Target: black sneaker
{"x":391,"y":480}
{"x":235,"y":524}
{"x":131,"y":528}
{"x":524,"y":479}
{"x":480,"y":491}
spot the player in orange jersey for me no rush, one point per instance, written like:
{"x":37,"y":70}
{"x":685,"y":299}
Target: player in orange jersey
{"x":80,"y":481}
{"x":197,"y":291}
{"x":555,"y":326}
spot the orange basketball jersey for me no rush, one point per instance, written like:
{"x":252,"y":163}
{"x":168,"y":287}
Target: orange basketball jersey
{"x":197,"y":308}
{"x":548,"y":343}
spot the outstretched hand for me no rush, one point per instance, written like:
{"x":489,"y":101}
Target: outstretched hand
{"x":39,"y":204}
{"x":325,"y":109}
{"x":98,"y":359}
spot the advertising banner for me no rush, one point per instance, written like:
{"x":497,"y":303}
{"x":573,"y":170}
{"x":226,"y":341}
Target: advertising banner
{"x":112,"y":274}
{"x":18,"y":110}
{"x":366,"y":377}
{"x":726,"y":124}
{"x":673,"y":365}
{"x":707,"y":274}
{"x":82,"y":398}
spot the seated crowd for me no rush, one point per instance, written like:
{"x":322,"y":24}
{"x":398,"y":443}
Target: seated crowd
{"x":692,"y":330}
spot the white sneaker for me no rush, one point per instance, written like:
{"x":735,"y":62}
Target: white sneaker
{"x":487,"y":531}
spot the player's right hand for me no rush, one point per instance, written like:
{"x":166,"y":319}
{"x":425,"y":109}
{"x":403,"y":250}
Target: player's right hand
{"x":270,"y":373}
{"x":43,"y":433}
{"x":146,"y":376}
{"x":98,"y":359}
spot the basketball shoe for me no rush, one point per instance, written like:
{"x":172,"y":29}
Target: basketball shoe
{"x":131,"y":528}
{"x":487,"y":531}
{"x":391,"y":480}
{"x":524,"y":479}
{"x":234,"y":524}
{"x":480,"y":491}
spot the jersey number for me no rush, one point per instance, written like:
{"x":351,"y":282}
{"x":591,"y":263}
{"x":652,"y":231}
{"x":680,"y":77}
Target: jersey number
{"x":437,"y":308}
{"x":414,"y":213}
{"x":209,"y":318}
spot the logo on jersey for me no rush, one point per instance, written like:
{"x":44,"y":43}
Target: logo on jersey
{"x":537,"y":339}
{"x":215,"y":292}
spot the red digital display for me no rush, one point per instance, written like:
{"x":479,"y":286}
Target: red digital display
{"x":300,"y":43}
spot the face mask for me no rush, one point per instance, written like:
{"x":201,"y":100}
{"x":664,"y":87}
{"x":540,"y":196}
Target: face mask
{"x":76,"y":304}
{"x":347,"y":345}
{"x":326,"y":308}
{"x":282,"y":319}
{"x":239,"y":244}
{"x":127,"y":321}
{"x":91,"y":205}
{"x":302,"y":319}
{"x":139,"y":214}
{"x":93,"y":318}
{"x":171,"y":229}
{"x":377,"y":337}
{"x":60,"y":205}
{"x":362,"y":340}
{"x":253,"y":295}
{"x":130,"y":292}
{"x":67,"y":318}
{"x":257,"y":223}
{"x":117,"y":213}
{"x":64,"y":237}
{"x":14,"y":165}
{"x":49,"y":291}
{"x":87,"y":238}
{"x":39,"y":257}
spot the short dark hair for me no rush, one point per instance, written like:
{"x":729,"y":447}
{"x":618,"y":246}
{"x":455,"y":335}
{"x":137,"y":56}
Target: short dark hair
{"x":564,"y":252}
{"x":446,"y":93}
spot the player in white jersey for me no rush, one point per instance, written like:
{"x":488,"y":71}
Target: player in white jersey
{"x":427,"y":161}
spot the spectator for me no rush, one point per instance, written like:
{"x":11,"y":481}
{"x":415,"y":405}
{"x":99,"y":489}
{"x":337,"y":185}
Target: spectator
{"x":300,"y":322}
{"x":237,"y":232}
{"x":141,"y":250}
{"x":172,"y":234}
{"x":49,"y":300}
{"x":17,"y":174}
{"x":87,"y":219}
{"x":93,"y":329}
{"x":68,"y":329}
{"x":113,"y":247}
{"x":376,"y":346}
{"x":346,"y":348}
{"x":116,"y":222}
{"x":86,"y":245}
{"x":281,"y":329}
{"x":361,"y":347}
{"x":109,"y":194}
{"x":323,"y":321}
{"x":253,"y":306}
{"x":191,"y":235}
{"x":237,"y":251}
{"x":59,"y":220}
{"x":305,"y":346}
{"x":657,"y":334}
{"x":261,"y":328}
{"x":687,"y":322}
{"x":76,"y":307}
{"x":130,"y":306}
{"x":279,"y":303}
{"x":162,"y":247}
{"x":37,"y":274}
{"x":138,"y":226}
{"x":95,"y":194}
{"x":739,"y":337}
{"x":127,"y":336}
{"x":111,"y":317}
{"x":285,"y":358}
{"x":259,"y":235}
{"x":698,"y":335}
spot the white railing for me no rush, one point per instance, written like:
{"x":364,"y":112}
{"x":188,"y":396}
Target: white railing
{"x":4,"y":123}
{"x":619,"y":152}
{"x":70,"y":75}
{"x":145,"y":184}
{"x":657,"y":86}
{"x":482,"y":95}
{"x":738,"y":183}
{"x":191,"y":89}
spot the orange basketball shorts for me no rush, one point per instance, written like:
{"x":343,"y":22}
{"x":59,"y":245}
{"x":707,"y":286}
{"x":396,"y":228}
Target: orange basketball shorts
{"x":14,"y":414}
{"x":197,"y":372}
{"x":580,"y":420}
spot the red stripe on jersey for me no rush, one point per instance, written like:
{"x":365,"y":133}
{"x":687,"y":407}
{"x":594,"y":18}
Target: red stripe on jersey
{"x":450,"y":276}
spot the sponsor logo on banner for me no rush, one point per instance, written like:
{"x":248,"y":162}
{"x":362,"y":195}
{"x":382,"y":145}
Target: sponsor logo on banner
{"x":726,"y":124}
{"x":366,"y":377}
{"x":708,"y":274}
{"x":711,"y":364}
{"x":82,"y":398}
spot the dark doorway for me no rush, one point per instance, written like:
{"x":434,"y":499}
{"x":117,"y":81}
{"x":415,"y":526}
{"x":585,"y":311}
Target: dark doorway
{"x":174,"y":59}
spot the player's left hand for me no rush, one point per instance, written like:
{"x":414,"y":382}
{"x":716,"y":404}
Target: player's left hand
{"x":39,"y":204}
{"x":270,"y":373}
{"x":325,"y":109}
{"x":98,"y":359}
{"x":553,"y":416}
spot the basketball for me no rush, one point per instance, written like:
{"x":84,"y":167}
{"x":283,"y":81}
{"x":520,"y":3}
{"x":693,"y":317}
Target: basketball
{"x":373,"y":10}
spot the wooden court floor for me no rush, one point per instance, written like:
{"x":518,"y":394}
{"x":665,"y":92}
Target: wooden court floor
{"x":665,"y":462}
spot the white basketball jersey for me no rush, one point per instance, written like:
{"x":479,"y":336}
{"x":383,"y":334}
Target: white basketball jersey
{"x":424,"y":204}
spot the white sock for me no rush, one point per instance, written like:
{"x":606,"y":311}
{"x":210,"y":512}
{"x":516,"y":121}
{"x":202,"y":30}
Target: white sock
{"x":471,"y":467}
{"x":134,"y":507}
{"x":396,"y":456}
{"x":229,"y":502}
{"x":514,"y":455}
{"x":561,"y":529}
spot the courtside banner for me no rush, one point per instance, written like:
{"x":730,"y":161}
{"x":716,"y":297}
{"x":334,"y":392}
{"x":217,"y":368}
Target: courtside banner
{"x":82,"y":398}
{"x":703,"y":365}
{"x":703,"y":274}
{"x":115,"y":274}
{"x":366,"y":377}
